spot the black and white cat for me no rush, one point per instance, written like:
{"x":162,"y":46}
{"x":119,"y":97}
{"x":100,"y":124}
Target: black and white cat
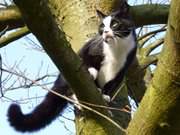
{"x":107,"y":57}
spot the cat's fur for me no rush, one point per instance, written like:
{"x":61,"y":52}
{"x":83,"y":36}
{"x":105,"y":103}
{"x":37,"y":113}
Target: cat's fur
{"x":107,"y":57}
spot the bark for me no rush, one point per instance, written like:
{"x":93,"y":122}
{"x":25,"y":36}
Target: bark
{"x":10,"y":17}
{"x":139,"y":74}
{"x":135,"y":81}
{"x":5,"y":40}
{"x":159,"y":110}
{"x":149,"y":14}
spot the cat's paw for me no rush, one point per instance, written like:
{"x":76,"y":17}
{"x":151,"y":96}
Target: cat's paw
{"x":107,"y":98}
{"x":93,"y":72}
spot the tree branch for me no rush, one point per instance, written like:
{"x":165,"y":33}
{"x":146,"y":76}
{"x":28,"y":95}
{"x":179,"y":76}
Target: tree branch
{"x":159,"y":110}
{"x":13,"y":36}
{"x":147,"y":50}
{"x":149,"y":14}
{"x":152,"y":59}
{"x":151,"y":33}
{"x":11,"y":17}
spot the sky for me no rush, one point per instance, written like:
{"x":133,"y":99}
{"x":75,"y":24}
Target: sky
{"x":33,"y":63}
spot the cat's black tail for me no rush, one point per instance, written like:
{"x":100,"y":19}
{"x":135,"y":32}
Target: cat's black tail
{"x":43,"y":114}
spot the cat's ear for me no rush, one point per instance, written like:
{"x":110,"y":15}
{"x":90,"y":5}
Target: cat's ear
{"x":123,"y":9}
{"x":100,"y":14}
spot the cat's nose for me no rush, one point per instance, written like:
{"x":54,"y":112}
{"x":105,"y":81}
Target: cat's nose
{"x":106,"y":31}
{"x":108,"y":35}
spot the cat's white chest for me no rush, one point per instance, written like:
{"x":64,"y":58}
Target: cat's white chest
{"x":115,"y":58}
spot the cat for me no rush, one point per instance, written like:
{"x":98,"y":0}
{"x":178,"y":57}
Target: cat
{"x":107,"y":57}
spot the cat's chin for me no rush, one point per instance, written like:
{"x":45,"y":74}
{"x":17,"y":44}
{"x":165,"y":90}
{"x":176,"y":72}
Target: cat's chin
{"x":109,"y":40}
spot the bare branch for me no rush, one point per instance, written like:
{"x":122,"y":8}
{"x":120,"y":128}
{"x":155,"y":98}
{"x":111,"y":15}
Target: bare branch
{"x":3,"y":31}
{"x":149,"y":14}
{"x":152,"y":33}
{"x":13,"y":36}
{"x":152,"y":59}
{"x":152,"y":46}
{"x":11,"y":17}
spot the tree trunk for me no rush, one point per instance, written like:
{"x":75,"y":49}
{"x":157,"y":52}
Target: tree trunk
{"x":159,"y":110}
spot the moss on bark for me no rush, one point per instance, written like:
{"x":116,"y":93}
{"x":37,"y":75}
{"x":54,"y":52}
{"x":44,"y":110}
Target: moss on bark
{"x":159,"y":110}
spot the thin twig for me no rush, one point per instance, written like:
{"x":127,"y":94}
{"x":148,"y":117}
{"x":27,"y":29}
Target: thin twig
{"x":4,"y":31}
{"x":152,"y":32}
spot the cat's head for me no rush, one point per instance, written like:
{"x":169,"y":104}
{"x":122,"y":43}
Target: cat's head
{"x":117,"y":24}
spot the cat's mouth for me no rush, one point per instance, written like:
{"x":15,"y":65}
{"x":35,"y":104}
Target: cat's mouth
{"x":108,"y":39}
{"x":108,"y":36}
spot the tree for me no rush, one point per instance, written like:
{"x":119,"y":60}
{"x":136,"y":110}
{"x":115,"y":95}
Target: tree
{"x":158,"y":111}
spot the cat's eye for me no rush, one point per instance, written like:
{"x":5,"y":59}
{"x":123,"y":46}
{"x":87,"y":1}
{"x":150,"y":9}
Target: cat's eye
{"x":115,"y":24}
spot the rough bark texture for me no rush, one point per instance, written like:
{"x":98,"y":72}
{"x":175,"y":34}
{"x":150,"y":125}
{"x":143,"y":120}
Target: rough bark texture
{"x":159,"y":110}
{"x":135,"y":81}
{"x":5,"y":40}
{"x":149,"y":14}
{"x":10,"y":17}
